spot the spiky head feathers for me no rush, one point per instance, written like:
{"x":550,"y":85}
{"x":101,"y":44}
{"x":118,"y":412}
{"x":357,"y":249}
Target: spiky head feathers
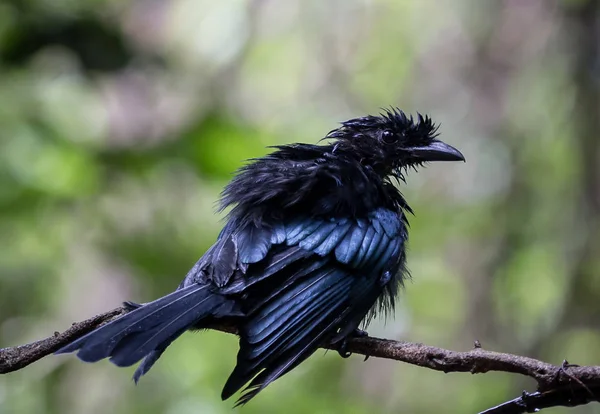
{"x":392,"y":141}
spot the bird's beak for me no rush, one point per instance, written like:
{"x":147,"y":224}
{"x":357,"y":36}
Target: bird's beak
{"x":437,"y":151}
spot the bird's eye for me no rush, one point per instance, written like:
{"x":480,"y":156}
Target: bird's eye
{"x":389,"y":137}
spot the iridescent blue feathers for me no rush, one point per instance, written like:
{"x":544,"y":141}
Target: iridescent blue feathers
{"x":314,"y":245}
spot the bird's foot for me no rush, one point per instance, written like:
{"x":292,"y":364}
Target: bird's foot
{"x":359,"y":333}
{"x":342,"y":348}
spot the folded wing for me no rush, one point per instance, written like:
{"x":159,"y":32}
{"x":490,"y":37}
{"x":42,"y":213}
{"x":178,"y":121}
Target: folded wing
{"x":332,"y":273}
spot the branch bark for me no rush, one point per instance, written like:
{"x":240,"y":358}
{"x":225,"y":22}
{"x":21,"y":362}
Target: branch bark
{"x":565,"y":385}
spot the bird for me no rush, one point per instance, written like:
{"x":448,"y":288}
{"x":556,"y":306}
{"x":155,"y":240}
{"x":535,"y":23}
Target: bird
{"x":313,"y":248}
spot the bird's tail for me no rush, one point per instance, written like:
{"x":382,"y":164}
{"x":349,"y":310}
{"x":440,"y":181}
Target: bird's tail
{"x":149,"y":329}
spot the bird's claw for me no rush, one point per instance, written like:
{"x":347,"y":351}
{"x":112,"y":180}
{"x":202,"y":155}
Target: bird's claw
{"x":343,"y":347}
{"x":359,"y":333}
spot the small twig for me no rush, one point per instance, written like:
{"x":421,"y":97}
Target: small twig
{"x":565,"y":396}
{"x":580,"y":386}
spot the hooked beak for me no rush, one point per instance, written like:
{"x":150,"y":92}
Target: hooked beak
{"x":437,"y":151}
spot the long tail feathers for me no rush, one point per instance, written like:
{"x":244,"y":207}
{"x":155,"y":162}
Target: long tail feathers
{"x":149,"y":329}
{"x":277,"y":334}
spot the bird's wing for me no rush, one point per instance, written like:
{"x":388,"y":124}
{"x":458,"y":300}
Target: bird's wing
{"x":315,"y":286}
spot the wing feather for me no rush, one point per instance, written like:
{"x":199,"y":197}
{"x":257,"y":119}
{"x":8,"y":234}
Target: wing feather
{"x":279,"y":329}
{"x":328,"y":276}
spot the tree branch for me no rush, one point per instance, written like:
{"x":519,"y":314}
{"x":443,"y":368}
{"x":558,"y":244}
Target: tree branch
{"x":565,"y":385}
{"x":533,"y":402}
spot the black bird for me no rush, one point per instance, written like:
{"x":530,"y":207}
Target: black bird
{"x":314,"y":245}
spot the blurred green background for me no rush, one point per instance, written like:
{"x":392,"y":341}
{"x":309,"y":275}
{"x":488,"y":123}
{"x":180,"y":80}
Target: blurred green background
{"x":121,"y":121}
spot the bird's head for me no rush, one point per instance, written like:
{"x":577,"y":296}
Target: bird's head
{"x":392,"y":142}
